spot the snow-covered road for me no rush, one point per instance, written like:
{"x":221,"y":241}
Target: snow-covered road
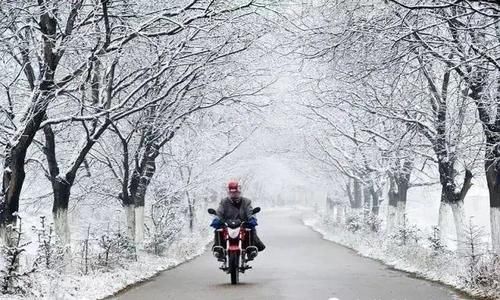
{"x":298,"y":264}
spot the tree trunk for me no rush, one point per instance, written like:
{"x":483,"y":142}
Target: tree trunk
{"x":13,"y":179}
{"x":61,"y":185}
{"x":129,"y":207}
{"x":492,"y":170}
{"x":403,"y":184}
{"x":127,"y":201}
{"x":491,"y":129}
{"x":191,"y":210}
{"x":401,"y":213}
{"x":392,"y":208}
{"x":358,"y":194}
{"x":141,"y":178}
{"x":340,"y":213}
{"x":366,"y":201}
{"x":139,"y":224}
{"x":459,"y":217}
{"x":392,"y":214}
{"x":450,"y":197}
{"x":330,"y":205}
{"x":349,"y":193}
{"x":444,"y":211}
{"x":13,"y":172}
{"x":495,"y":229}
{"x":62,"y":192}
{"x":139,"y":201}
{"x":130,"y":217}
{"x":375,"y":200}
{"x":446,"y":155}
{"x":191,"y":217}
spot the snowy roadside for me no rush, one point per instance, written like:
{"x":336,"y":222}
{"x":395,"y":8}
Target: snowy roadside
{"x":50,"y":284}
{"x":444,"y":267}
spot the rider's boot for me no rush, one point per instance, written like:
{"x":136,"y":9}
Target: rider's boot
{"x":257,"y":242}
{"x":219,"y":253}
{"x":217,"y":248}
{"x":251,"y":253}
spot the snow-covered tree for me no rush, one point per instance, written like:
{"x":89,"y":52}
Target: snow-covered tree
{"x":464,"y":36}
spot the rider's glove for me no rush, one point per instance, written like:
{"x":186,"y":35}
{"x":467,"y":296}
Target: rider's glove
{"x":251,"y":223}
{"x":216,"y":223}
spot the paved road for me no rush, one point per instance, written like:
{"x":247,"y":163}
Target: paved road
{"x":297,"y":264}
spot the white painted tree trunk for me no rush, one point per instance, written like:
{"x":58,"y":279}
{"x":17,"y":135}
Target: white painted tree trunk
{"x":61,"y":226}
{"x":139,"y":225}
{"x":443,"y":227}
{"x":340,"y":214}
{"x":3,"y":236}
{"x":130,"y":214}
{"x":400,"y":213}
{"x":495,"y":229}
{"x":392,"y":214}
{"x":331,"y":212}
{"x":6,"y":236}
{"x":459,"y":218}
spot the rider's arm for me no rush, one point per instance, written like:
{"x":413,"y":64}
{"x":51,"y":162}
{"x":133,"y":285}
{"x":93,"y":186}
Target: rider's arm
{"x":220,"y":210}
{"x":248,"y":210}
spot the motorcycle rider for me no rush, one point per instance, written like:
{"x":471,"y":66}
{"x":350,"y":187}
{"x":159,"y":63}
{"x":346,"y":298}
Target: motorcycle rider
{"x":234,"y":206}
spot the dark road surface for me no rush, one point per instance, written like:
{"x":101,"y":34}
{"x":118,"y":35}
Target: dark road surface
{"x":297,"y":264}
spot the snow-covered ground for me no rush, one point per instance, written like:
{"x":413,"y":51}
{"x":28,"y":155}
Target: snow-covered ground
{"x":51,"y":284}
{"x":70,"y":280}
{"x":445,"y":267}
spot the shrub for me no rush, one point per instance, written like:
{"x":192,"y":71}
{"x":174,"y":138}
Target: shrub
{"x":114,"y":247}
{"x":50,"y":252}
{"x":405,"y":233}
{"x":372,"y":222}
{"x":435,"y":242}
{"x":14,"y":279}
{"x":168,"y":219}
{"x":354,"y":222}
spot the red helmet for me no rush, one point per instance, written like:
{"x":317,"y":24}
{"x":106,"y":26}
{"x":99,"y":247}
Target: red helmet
{"x":233,"y":186}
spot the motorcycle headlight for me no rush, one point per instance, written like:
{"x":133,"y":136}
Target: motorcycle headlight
{"x":233,"y":233}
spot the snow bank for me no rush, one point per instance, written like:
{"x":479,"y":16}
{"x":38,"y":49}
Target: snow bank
{"x":51,"y":284}
{"x":444,"y":267}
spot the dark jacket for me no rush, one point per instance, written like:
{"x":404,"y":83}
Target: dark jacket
{"x":228,"y":210}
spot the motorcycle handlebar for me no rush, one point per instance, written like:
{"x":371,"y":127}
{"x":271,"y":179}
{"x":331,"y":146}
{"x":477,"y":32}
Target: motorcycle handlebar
{"x":254,"y":211}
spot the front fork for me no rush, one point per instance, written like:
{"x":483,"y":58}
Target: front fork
{"x":244,"y":234}
{"x":248,"y":237}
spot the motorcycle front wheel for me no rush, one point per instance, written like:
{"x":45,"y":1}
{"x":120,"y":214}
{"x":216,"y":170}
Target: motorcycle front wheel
{"x":234,"y":262}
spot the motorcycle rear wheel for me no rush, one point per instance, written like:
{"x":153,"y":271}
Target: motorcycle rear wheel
{"x":234,"y":261}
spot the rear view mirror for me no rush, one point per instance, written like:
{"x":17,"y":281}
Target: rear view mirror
{"x":255,"y":210}
{"x":212,"y":211}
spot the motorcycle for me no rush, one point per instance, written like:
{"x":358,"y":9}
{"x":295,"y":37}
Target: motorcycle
{"x":239,"y":250}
